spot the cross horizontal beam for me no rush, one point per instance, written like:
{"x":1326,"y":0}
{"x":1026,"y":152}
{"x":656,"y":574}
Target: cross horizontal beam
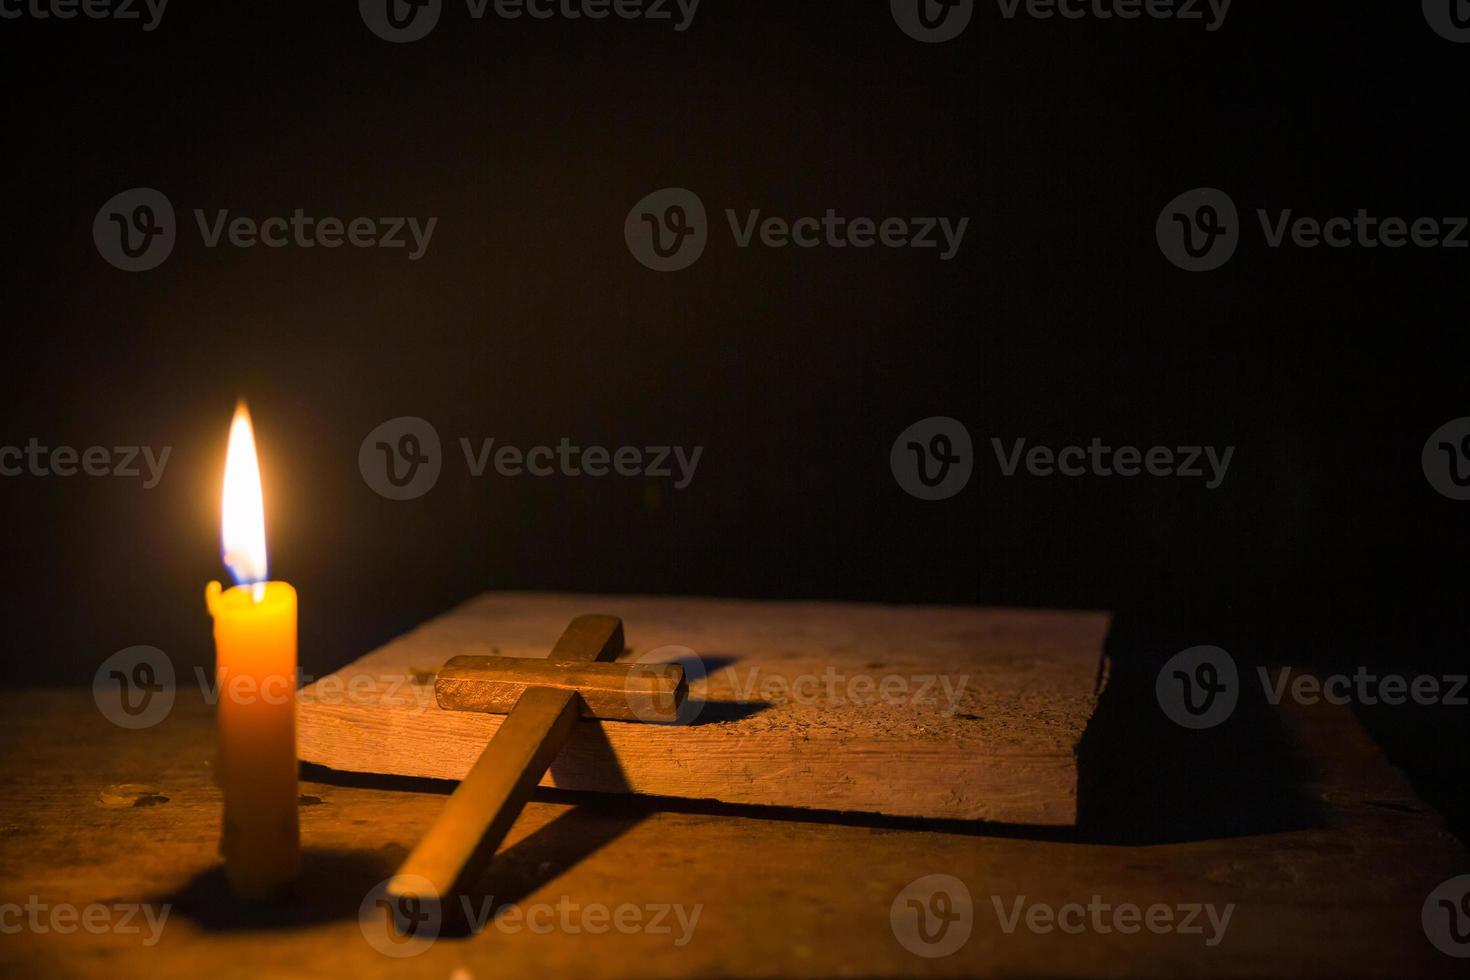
{"x":619,"y":692}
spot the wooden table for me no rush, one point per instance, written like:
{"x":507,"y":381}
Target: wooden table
{"x":1321,"y":845}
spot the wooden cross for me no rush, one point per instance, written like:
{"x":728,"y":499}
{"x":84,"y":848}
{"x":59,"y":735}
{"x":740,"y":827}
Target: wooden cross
{"x":541,"y":700}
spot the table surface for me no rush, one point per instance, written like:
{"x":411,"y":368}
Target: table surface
{"x":995,"y":704}
{"x":1323,"y":848}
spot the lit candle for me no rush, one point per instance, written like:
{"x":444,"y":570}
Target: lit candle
{"x":255,"y":670}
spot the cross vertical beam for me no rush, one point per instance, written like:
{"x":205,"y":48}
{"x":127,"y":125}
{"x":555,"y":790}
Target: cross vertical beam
{"x":481,"y":811}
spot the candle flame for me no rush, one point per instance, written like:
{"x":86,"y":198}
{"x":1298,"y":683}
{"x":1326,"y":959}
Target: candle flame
{"x":243,"y":518}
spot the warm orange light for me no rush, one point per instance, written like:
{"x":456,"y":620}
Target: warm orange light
{"x":254,"y":652}
{"x":242,"y":523}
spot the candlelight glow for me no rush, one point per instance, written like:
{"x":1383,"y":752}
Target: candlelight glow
{"x":243,"y":519}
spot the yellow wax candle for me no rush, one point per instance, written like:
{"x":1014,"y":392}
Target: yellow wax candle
{"x":255,"y":670}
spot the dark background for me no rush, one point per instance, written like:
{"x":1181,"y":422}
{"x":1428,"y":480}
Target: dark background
{"x":528,"y":320}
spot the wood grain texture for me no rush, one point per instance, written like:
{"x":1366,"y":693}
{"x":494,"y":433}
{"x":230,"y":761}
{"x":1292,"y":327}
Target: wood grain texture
{"x":620,"y":692}
{"x":1335,"y":895}
{"x":963,"y":713}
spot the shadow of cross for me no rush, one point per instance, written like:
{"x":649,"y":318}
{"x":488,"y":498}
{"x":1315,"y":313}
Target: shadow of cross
{"x":542,"y":700}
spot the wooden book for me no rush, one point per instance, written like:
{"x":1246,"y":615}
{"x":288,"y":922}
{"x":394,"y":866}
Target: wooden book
{"x":925,"y":711}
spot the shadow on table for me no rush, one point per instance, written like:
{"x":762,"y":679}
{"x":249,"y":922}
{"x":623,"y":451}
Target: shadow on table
{"x":340,"y":885}
{"x":335,"y":885}
{"x":532,"y":862}
{"x":1146,"y":779}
